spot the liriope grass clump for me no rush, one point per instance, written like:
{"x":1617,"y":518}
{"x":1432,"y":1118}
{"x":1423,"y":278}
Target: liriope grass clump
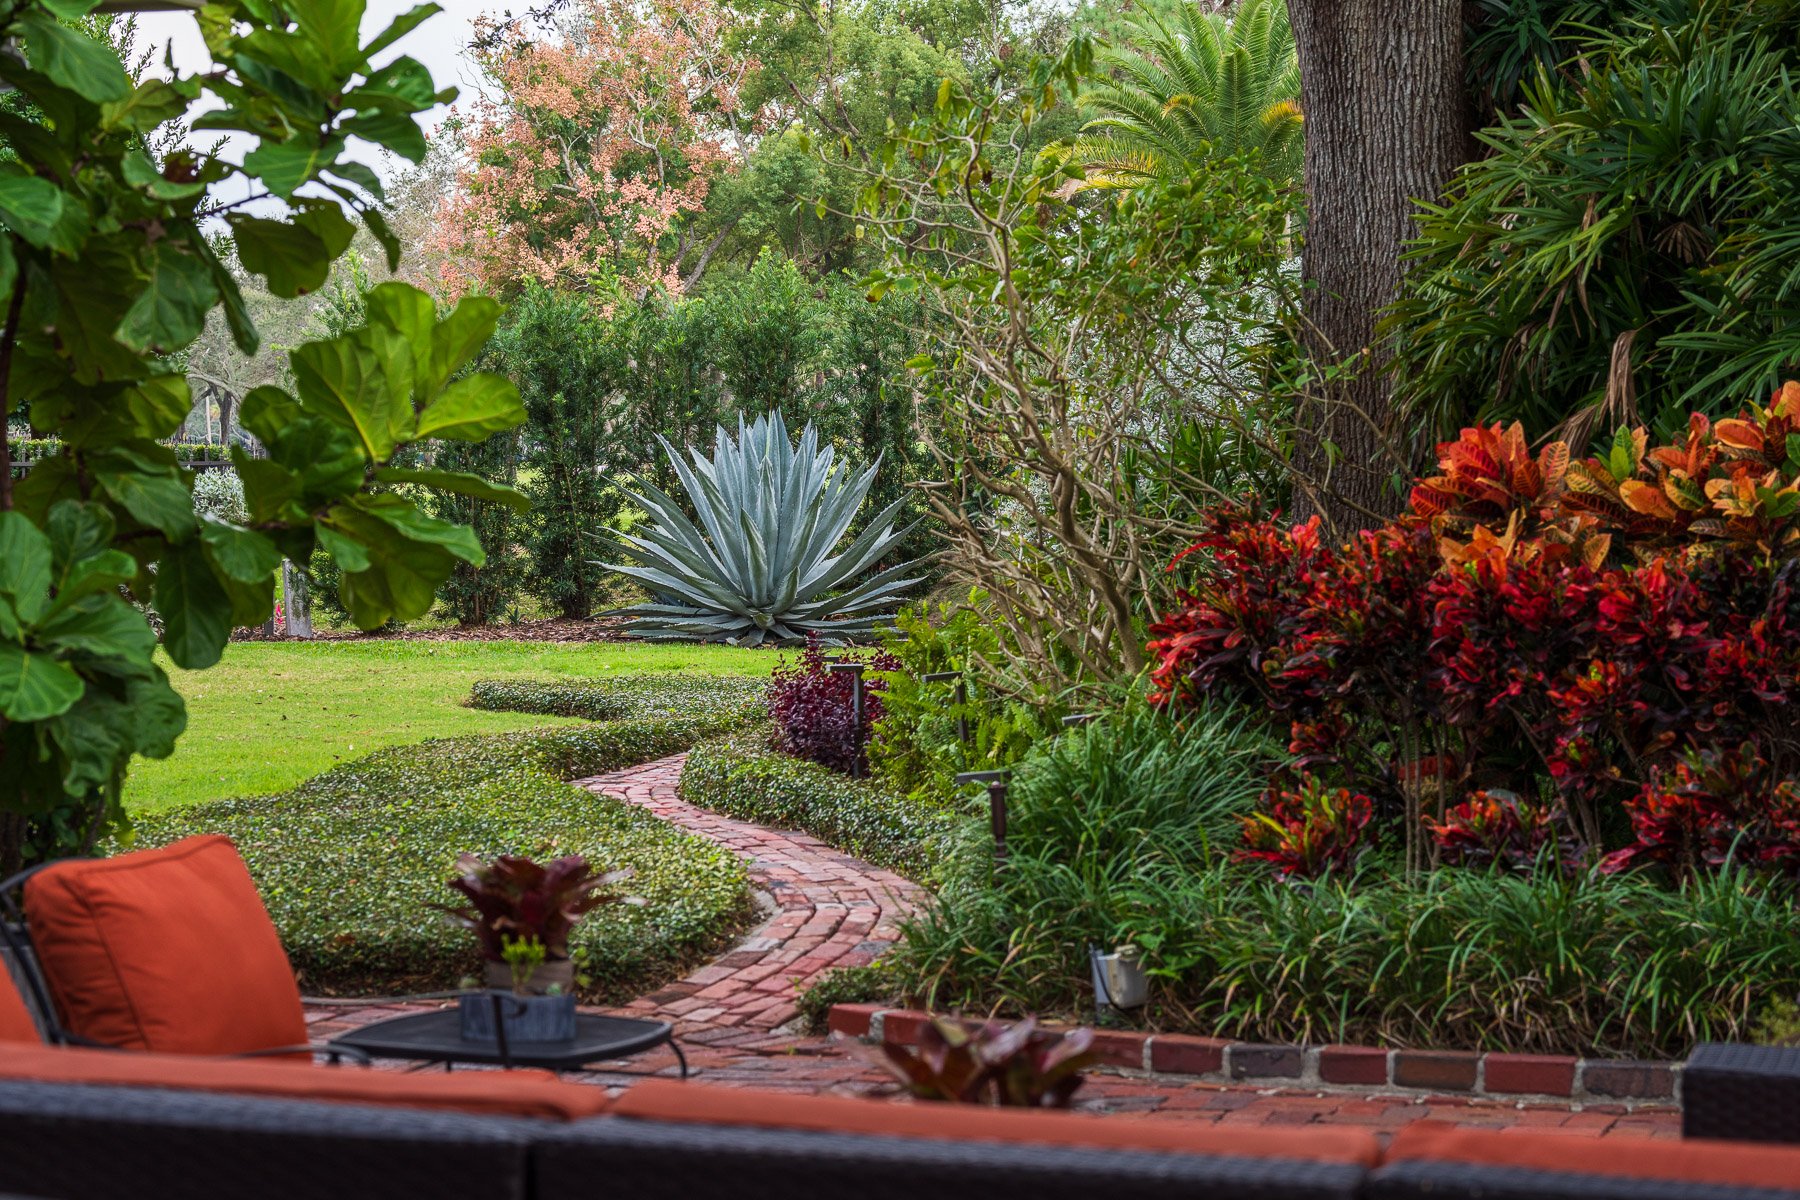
{"x":1124,"y":833}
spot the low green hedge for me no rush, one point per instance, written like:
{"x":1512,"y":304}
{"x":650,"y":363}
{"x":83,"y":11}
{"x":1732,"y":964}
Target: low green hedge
{"x":741,"y":776}
{"x":675,"y":696}
{"x":348,"y":860}
{"x":33,"y":449}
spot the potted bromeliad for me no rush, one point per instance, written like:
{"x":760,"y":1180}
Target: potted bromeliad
{"x":523,"y":912}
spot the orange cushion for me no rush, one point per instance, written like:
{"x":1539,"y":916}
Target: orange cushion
{"x":497,"y":1093}
{"x":168,"y":950}
{"x":1743,"y":1164}
{"x":16,"y":1024}
{"x":668,"y":1100}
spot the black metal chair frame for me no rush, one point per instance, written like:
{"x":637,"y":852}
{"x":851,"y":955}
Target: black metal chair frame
{"x":15,"y":931}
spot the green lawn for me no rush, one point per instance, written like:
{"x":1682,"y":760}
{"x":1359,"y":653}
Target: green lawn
{"x":272,"y":714}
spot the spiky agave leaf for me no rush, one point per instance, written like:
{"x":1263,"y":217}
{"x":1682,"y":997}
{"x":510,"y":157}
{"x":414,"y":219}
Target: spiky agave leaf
{"x":761,"y":562}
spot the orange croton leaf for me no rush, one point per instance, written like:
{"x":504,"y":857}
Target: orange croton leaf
{"x":1683,"y":492}
{"x":1735,"y":497}
{"x":1739,"y":434}
{"x":1553,"y":464}
{"x":1786,"y":402}
{"x":1646,"y":498}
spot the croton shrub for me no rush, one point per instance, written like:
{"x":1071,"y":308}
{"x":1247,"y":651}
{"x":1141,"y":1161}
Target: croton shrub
{"x":814,"y":708}
{"x":1544,"y":661}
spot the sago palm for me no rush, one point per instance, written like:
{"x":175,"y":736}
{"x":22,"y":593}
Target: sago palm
{"x":1192,"y":84}
{"x":762,"y":563}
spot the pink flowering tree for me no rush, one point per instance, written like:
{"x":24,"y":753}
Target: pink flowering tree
{"x":594,"y":148}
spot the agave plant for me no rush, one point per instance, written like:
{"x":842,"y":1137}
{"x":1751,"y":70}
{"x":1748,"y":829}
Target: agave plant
{"x":763,"y":562}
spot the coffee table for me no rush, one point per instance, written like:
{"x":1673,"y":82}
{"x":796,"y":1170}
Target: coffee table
{"x":437,"y":1037}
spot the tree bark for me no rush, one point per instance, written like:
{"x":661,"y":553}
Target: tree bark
{"x":1386,"y":126}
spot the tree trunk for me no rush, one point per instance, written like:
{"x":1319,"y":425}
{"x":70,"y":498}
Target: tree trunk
{"x":1386,"y":126}
{"x":296,"y":604}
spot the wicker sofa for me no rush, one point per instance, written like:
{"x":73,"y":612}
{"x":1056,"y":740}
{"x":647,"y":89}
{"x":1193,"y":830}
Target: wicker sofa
{"x":79,"y":1124}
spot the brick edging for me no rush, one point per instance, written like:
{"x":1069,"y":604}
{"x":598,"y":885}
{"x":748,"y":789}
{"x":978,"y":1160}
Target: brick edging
{"x":1456,"y":1072}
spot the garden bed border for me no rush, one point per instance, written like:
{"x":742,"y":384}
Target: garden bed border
{"x":1495,"y":1075}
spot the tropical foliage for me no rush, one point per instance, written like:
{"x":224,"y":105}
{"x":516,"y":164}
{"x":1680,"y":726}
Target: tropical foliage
{"x":1191,"y":86}
{"x":1633,"y":616}
{"x":1623,"y":250}
{"x":1101,"y":370}
{"x":109,"y":246}
{"x":764,"y":561}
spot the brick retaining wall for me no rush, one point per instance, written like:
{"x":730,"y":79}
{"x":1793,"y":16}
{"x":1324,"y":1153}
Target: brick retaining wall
{"x":1434,"y":1072}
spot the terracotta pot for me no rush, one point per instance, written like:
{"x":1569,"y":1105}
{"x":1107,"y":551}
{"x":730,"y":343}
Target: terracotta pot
{"x":561,"y":972}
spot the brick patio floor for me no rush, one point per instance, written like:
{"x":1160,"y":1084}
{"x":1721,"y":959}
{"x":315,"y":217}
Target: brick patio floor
{"x":833,"y":910}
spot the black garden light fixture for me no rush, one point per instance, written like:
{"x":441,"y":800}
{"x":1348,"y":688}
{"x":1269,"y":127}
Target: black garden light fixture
{"x":855,"y":671}
{"x":962,"y":699}
{"x":996,"y":783}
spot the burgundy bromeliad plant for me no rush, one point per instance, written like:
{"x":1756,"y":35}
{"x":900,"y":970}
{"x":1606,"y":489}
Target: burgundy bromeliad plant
{"x":1616,"y":640}
{"x":814,"y":711}
{"x":515,"y":902}
{"x":1011,"y":1066}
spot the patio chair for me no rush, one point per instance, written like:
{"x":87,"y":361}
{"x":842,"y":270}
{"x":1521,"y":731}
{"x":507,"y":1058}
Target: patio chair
{"x":168,"y":950}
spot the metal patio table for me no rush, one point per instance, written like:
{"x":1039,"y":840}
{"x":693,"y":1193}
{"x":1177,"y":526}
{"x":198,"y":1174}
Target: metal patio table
{"x":436,"y":1037}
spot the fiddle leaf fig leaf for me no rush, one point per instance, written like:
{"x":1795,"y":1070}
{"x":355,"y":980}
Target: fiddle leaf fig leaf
{"x":73,"y":60}
{"x":195,"y":610}
{"x":472,"y":409}
{"x":35,"y":686}
{"x":171,"y":312}
{"x":241,"y":554}
{"x":461,"y":482}
{"x":34,"y":209}
{"x":289,"y":256}
{"x":24,"y":565}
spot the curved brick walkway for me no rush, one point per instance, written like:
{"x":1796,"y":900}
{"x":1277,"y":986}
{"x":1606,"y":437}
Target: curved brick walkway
{"x":832,"y":910}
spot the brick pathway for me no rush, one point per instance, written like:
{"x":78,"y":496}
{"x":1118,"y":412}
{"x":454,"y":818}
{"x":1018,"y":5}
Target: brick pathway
{"x":834,"y":910}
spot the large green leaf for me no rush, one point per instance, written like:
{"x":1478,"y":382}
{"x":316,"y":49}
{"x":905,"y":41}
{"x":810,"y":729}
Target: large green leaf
{"x":460,"y":482}
{"x":242,"y":554}
{"x":285,"y":167}
{"x":73,"y":60}
{"x":396,"y":131}
{"x":459,"y":337}
{"x":85,"y":562}
{"x":348,"y":379}
{"x":399,"y":27}
{"x":159,"y":501}
{"x":402,"y":516}
{"x":293,"y":259}
{"x":24,"y":565}
{"x":34,"y":686}
{"x":408,"y":314}
{"x":159,"y":716}
{"x":171,"y":312}
{"x":195,"y":609}
{"x":33,"y":209}
{"x":150,"y":103}
{"x":103,"y":625}
{"x":472,"y":409}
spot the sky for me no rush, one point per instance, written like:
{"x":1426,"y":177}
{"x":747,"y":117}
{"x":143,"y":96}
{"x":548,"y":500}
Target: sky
{"x":438,"y":43}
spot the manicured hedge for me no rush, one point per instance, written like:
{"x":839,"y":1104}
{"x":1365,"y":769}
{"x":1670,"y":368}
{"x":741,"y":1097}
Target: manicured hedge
{"x":32,"y":449}
{"x":348,"y":860}
{"x":676,"y":696}
{"x":741,"y":776}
